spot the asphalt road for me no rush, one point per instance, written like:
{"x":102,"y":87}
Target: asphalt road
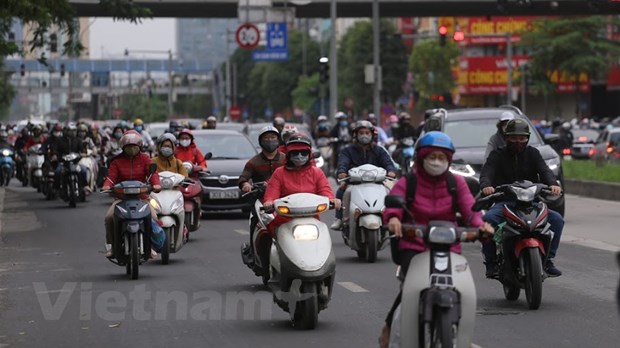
{"x":58,"y":290}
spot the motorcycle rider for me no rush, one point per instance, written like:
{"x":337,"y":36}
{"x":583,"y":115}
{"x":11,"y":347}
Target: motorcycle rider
{"x":382,"y":137}
{"x":362,"y":151}
{"x":210,"y":123}
{"x":432,"y":201}
{"x":4,"y":140}
{"x":165,"y":159}
{"x":299,"y":175}
{"x":286,"y":133}
{"x":138,"y":126}
{"x":497,"y":140}
{"x":322,"y":128}
{"x":37,"y":138}
{"x":342,"y":132}
{"x":260,"y":168}
{"x":566,"y":137}
{"x":67,"y":144}
{"x":405,"y":128}
{"x":513,"y":162}
{"x":187,"y":151}
{"x":278,"y":123}
{"x":20,"y":158}
{"x":132,"y":164}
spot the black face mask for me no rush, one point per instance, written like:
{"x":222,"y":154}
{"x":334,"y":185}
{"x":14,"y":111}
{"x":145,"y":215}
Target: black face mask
{"x":269,"y":145}
{"x":515,"y":147}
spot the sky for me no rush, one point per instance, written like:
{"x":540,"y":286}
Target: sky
{"x":109,"y":39}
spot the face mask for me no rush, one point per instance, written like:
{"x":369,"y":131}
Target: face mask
{"x":435,"y":167}
{"x":269,"y":146}
{"x":81,"y":135}
{"x":515,"y":147}
{"x":166,"y":151}
{"x":344,"y":123}
{"x":118,"y":136}
{"x":395,"y":126}
{"x":131,"y":150}
{"x":364,"y":139}
{"x":138,"y":129}
{"x":300,"y":159}
{"x":185,"y":142}
{"x":57,"y":134}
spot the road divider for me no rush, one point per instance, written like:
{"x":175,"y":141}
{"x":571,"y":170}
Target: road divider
{"x":593,"y":189}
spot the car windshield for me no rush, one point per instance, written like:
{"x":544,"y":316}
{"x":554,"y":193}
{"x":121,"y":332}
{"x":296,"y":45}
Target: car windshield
{"x":157,"y":130}
{"x":225,"y":146}
{"x":476,"y":132}
{"x":582,"y":135}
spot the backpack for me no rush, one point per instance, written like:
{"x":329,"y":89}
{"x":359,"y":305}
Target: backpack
{"x":412,"y":183}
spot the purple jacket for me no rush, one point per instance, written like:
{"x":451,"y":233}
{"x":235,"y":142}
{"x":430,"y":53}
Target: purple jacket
{"x":433,"y":202}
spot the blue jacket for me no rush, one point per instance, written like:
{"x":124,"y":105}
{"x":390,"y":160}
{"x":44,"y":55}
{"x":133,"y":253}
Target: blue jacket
{"x":354,"y":155}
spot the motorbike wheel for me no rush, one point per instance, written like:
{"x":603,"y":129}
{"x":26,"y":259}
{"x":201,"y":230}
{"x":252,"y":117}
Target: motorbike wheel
{"x":372,"y":245}
{"x":443,"y":331}
{"x":165,"y":251}
{"x":307,"y":311}
{"x":135,"y":256}
{"x":25,"y":180}
{"x":72,"y":195}
{"x":7,"y":176}
{"x":511,"y":292}
{"x":533,"y":277}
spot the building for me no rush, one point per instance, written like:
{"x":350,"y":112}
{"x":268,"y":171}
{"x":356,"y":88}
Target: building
{"x":205,"y":39}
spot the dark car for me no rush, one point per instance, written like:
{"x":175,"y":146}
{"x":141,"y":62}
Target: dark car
{"x":470,"y":130}
{"x":231,"y":150}
{"x":583,"y":143}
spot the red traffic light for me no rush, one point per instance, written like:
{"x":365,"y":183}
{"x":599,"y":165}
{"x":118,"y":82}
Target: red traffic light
{"x":459,"y":36}
{"x":443,"y":30}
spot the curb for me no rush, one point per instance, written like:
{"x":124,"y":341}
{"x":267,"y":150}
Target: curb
{"x":593,"y":189}
{"x":1,"y":212}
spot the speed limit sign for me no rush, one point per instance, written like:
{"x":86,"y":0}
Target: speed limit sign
{"x":247,"y":36}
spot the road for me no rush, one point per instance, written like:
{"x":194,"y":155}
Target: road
{"x":58,"y":290}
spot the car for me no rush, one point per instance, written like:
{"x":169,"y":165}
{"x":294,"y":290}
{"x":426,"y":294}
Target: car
{"x":230,"y":152}
{"x":583,"y":143}
{"x":607,"y":146}
{"x":155,"y":129}
{"x":235,"y":126}
{"x":470,"y":130}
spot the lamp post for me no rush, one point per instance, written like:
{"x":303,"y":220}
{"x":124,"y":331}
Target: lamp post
{"x":170,"y":82}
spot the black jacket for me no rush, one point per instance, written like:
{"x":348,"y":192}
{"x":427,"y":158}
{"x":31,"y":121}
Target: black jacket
{"x":504,"y":168}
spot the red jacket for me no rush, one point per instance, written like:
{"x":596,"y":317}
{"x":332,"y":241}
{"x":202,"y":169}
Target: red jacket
{"x":32,"y":141}
{"x":191,"y":154}
{"x":125,"y":168}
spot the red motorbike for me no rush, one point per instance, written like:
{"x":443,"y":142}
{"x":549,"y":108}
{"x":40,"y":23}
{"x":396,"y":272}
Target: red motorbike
{"x":192,"y":196}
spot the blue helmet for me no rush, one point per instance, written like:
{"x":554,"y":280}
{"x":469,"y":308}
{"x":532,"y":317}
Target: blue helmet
{"x":436,"y":139}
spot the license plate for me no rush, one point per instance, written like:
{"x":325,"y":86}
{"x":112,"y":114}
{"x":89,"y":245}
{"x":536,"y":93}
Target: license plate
{"x":224,"y":195}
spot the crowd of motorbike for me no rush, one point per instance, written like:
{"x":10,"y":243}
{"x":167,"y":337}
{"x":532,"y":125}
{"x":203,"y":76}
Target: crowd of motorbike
{"x":438,"y":296}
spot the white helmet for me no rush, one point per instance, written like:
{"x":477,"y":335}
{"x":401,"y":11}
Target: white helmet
{"x":506,"y":116}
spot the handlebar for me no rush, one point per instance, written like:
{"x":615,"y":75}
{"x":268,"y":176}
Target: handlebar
{"x":464,"y":234}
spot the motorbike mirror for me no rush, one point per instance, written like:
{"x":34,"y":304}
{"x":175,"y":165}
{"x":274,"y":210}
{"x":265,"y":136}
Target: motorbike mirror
{"x":394,"y":201}
{"x":208,"y":155}
{"x":316,"y":154}
{"x":152,"y":168}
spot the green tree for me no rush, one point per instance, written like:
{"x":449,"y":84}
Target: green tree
{"x":356,"y":51}
{"x":571,"y":45}
{"x":431,"y":65}
{"x":307,"y":92}
{"x":153,"y":109}
{"x":7,"y":93}
{"x":194,"y":106}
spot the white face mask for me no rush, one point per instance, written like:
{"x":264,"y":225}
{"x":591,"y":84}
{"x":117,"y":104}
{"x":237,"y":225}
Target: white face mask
{"x":435,"y":167}
{"x":185,"y":142}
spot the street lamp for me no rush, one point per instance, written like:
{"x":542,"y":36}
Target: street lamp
{"x":170,"y":82}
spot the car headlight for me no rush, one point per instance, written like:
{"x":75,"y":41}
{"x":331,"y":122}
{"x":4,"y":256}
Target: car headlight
{"x":462,"y":169}
{"x":305,"y":232}
{"x":155,"y":204}
{"x":553,"y":163}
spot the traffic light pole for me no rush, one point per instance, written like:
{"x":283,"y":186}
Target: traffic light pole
{"x":333,"y":62}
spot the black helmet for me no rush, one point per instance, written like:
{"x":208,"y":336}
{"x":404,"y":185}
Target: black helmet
{"x":363,"y":124}
{"x":517,"y":127}
{"x":298,"y":139}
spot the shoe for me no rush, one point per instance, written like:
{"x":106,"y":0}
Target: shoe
{"x":384,"y":338}
{"x":108,"y":251}
{"x":336,"y":225}
{"x":491,"y":269}
{"x":551,"y":270}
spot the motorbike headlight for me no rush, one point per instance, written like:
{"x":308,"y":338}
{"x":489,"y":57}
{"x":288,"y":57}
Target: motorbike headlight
{"x":305,"y":232}
{"x":6,"y":152}
{"x":153,"y":202}
{"x":166,"y":183}
{"x":369,"y":175}
{"x":525,"y":195}
{"x":553,"y":164}
{"x":462,"y":169}
{"x":442,"y":235}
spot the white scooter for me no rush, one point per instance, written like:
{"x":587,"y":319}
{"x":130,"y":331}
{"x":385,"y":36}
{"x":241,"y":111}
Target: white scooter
{"x":35,"y":160}
{"x":438,"y":307}
{"x":301,"y":262}
{"x":169,"y":205}
{"x":89,"y":162}
{"x":363,"y":209}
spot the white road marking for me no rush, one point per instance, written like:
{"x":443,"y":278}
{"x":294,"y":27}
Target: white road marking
{"x":243,"y":232}
{"x":473,"y":345}
{"x":352,"y":287}
{"x":590,"y":243}
{"x":53,"y":291}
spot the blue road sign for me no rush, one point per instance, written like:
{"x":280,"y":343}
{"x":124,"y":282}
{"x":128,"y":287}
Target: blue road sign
{"x":277,"y":36}
{"x":269,"y":56}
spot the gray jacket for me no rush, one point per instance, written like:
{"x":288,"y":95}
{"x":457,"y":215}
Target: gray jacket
{"x":495,"y":142}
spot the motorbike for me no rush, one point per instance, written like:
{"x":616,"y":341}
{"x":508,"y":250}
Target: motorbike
{"x":325,"y":148}
{"x":168,"y":203}
{"x":34,"y":169}
{"x":192,"y":195}
{"x":524,"y":240}
{"x":438,"y":307}
{"x":132,"y":225}
{"x":7,"y":165}
{"x":47,"y":181}
{"x":298,"y":263}
{"x":70,"y":186}
{"x":363,"y":207}
{"x":89,"y":163}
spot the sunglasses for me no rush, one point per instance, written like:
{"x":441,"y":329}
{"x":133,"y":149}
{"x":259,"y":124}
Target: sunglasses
{"x":295,"y":153}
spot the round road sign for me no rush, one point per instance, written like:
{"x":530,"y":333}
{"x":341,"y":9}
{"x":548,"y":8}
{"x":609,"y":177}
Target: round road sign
{"x":247,"y":36}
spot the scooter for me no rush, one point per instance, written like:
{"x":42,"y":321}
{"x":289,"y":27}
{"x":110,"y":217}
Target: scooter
{"x":7,"y":165}
{"x":89,"y":162}
{"x":70,"y":186}
{"x":438,"y":307}
{"x":325,"y":147}
{"x":363,"y":207}
{"x":168,"y":203}
{"x":524,"y":240}
{"x":300,"y":260}
{"x":34,"y":161}
{"x":192,"y":195}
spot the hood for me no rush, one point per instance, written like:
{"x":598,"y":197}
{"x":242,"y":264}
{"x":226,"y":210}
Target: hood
{"x":546,"y":151}
{"x":226,"y":167}
{"x":470,"y":155}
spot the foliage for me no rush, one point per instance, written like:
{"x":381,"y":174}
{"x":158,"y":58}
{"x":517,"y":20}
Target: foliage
{"x":7,"y":93}
{"x":194,"y":106}
{"x":356,"y":51}
{"x":431,"y":65}
{"x":587,"y":170}
{"x":148,"y":109}
{"x":306,"y":93}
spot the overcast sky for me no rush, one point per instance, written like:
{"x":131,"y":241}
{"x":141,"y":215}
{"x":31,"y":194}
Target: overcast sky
{"x":108,"y":39}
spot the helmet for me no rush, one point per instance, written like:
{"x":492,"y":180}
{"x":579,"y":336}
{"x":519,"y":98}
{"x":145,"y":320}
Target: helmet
{"x":124,"y":125}
{"x":506,"y":116}
{"x":138,"y":122}
{"x":363,"y":124}
{"x":298,"y":141}
{"x":436,"y":139}
{"x":517,"y":127}
{"x":321,"y":118}
{"x":393,"y":119}
{"x":543,"y":123}
{"x":404,"y":117}
{"x":186,"y":131}
{"x":82,"y":128}
{"x":566,"y":126}
{"x":278,"y":121}
{"x":36,"y":130}
{"x":57,"y":128}
{"x":71,"y":126}
{"x":340,"y":115}
{"x":287,"y":131}
{"x":166,"y":136}
{"x":211,"y":119}
{"x":130,"y":137}
{"x":268,"y":129}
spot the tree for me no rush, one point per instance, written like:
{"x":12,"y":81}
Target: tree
{"x":356,"y":51}
{"x":149,"y":109}
{"x":307,"y":92}
{"x":571,"y":45}
{"x":431,"y":65}
{"x":7,"y":93}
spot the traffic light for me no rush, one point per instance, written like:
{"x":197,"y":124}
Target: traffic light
{"x":62,"y":70}
{"x":443,"y":30}
{"x":53,"y":43}
{"x":22,"y":69}
{"x":323,"y":70}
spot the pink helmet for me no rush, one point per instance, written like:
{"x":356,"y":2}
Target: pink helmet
{"x":393,"y":119}
{"x":130,"y":137}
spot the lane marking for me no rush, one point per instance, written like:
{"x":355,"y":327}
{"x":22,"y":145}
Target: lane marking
{"x":590,"y":243}
{"x":352,"y":287}
{"x":53,"y":291}
{"x":473,"y":345}
{"x":242,"y":232}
